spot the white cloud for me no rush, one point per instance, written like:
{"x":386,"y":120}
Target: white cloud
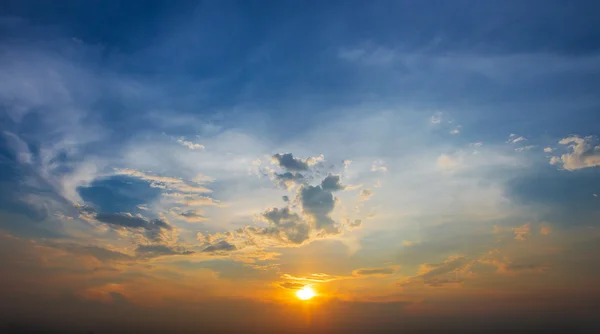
{"x":583,"y":153}
{"x":189,"y":144}
{"x":548,"y":149}
{"x":524,"y":148}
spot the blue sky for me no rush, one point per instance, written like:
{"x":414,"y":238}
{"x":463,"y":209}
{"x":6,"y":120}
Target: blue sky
{"x":412,"y":152}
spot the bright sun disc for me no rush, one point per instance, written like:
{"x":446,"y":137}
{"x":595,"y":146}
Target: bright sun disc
{"x":305,"y":293}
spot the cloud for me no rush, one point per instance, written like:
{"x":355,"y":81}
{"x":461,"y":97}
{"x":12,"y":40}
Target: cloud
{"x":514,"y":138}
{"x":378,"y":166}
{"x":221,"y":246}
{"x":583,"y":153}
{"x":192,"y":216}
{"x":517,"y":139}
{"x":288,"y":162}
{"x":100,"y":253}
{"x":289,"y":179}
{"x":190,"y":145}
{"x":150,"y":251}
{"x":548,"y":149}
{"x":375,"y":271}
{"x":451,"y":271}
{"x":318,"y":203}
{"x":127,"y":220}
{"x":455,"y":131}
{"x":314,"y":278}
{"x":522,"y":232}
{"x":286,"y":226}
{"x":154,"y":230}
{"x":436,"y":118}
{"x":356,"y":223}
{"x":545,"y":229}
{"x":524,"y":148}
{"x":366,"y":194}
{"x":332,"y":183}
{"x":147,"y":177}
{"x":291,"y":285}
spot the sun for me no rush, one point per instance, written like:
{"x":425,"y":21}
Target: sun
{"x":305,"y":293}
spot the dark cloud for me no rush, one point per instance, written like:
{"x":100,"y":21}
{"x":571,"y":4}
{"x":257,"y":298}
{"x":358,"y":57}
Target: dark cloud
{"x":374,"y":271}
{"x":285,"y":225}
{"x":155,"y":230}
{"x":288,"y":162}
{"x":289,"y":179}
{"x":221,"y":246}
{"x":332,"y":183}
{"x":192,"y":216}
{"x":129,"y":221}
{"x":148,"y":251}
{"x":318,"y":204}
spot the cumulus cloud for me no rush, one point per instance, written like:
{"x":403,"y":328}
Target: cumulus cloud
{"x":318,"y":203}
{"x":285,"y":226}
{"x":375,"y":271}
{"x":288,"y":162}
{"x":548,"y":149}
{"x":332,"y":183}
{"x":289,"y":180}
{"x":583,"y":153}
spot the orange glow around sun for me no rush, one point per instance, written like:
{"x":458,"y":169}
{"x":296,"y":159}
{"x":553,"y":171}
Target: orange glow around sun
{"x":305,"y":293}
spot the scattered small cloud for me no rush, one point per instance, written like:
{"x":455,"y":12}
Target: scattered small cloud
{"x":522,"y":232}
{"x":378,"y":166}
{"x":545,"y":229}
{"x":189,"y":144}
{"x":548,"y":149}
{"x":524,"y":148}
{"x":366,"y":194}
{"x":513,"y":138}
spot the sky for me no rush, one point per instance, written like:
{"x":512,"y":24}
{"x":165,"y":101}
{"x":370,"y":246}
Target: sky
{"x":189,"y":166}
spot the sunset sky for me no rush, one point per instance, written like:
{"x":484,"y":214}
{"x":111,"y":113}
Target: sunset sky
{"x":191,"y":165}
